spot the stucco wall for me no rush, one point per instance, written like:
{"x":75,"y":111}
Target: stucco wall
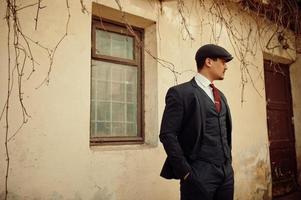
{"x":51,"y":158}
{"x":295,"y":71}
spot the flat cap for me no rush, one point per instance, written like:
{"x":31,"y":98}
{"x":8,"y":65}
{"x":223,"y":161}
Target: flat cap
{"x":212,"y":51}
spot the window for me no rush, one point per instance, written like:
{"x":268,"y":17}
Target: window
{"x":116,"y":84}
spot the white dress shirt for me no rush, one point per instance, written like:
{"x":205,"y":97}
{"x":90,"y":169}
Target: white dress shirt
{"x":204,"y":84}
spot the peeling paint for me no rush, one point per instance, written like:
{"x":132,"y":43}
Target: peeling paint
{"x":254,"y":176}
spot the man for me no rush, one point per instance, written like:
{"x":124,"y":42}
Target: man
{"x":196,"y":131}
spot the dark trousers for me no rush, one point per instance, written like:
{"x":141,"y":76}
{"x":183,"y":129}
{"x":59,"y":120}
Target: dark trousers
{"x":208,"y":182}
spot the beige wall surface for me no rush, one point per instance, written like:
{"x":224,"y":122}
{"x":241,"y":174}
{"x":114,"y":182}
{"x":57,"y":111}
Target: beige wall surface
{"x":50,"y":157}
{"x":295,"y":71}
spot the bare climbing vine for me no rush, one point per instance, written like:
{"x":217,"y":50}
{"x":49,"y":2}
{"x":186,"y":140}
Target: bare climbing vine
{"x":266,"y":15}
{"x":19,"y":51}
{"x":162,"y":62}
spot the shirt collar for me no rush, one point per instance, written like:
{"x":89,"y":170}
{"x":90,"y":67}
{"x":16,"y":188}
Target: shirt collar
{"x":202,"y":80}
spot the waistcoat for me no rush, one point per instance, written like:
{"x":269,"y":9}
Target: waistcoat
{"x":214,"y":147}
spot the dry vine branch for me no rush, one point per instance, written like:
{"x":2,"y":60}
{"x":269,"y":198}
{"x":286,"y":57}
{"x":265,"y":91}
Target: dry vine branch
{"x":180,"y":5}
{"x":27,"y":6}
{"x":19,"y":50}
{"x":84,"y":9}
{"x":164,"y":63}
{"x":7,"y":17}
{"x":239,"y":41}
{"x":53,"y":51}
{"x":37,"y":15}
{"x":242,"y":44}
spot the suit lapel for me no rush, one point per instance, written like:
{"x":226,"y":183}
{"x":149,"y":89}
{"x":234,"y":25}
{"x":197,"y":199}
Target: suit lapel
{"x":199,"y":91}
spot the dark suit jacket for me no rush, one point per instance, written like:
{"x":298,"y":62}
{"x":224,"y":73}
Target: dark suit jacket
{"x":182,"y":127}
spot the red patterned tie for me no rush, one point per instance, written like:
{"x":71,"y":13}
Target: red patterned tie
{"x":217,"y":98}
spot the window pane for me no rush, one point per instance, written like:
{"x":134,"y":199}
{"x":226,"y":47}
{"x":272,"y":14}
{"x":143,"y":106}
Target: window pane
{"x":131,"y":129}
{"x":103,"y":111}
{"x":92,"y":127}
{"x":131,"y":75}
{"x":118,"y":72}
{"x":118,"y":129}
{"x":113,"y":100}
{"x":131,"y":113}
{"x":104,"y":73}
{"x":103,"y":90}
{"x":93,"y":90}
{"x":118,"y":92}
{"x":103,"y":129}
{"x":129,"y":47}
{"x":93,"y":108}
{"x":131,"y":95}
{"x":103,"y":45}
{"x":113,"y":44}
{"x":101,"y":72}
{"x":118,"y":46}
{"x":131,"y":87}
{"x":93,"y":70}
{"x":118,"y":112}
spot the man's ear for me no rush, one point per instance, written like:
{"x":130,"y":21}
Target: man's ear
{"x":208,"y":62}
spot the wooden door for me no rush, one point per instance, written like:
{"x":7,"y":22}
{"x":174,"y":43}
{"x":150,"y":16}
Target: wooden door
{"x":280,"y":128}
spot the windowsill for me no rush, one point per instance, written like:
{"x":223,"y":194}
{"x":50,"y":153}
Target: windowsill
{"x":107,"y":147}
